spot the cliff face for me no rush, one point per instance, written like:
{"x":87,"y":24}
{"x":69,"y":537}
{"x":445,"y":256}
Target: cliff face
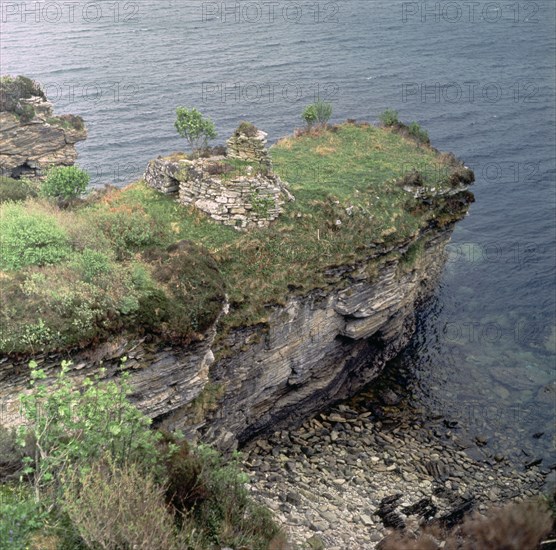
{"x":32,"y":138}
{"x":321,"y":347}
{"x":315,"y":349}
{"x":232,"y":384}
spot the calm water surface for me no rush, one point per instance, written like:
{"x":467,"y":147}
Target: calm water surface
{"x":481,"y":82}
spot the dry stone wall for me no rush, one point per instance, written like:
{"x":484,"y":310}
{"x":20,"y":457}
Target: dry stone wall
{"x":239,"y":190}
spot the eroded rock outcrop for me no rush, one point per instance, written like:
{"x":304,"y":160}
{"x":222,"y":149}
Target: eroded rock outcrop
{"x":317,"y":348}
{"x":321,"y":347}
{"x":232,"y":384}
{"x":32,"y":138}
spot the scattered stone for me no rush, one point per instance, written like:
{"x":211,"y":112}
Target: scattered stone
{"x":390,"y":397}
{"x":293,"y":498}
{"x":456,"y":515}
{"x":315,"y":543}
{"x":532,"y":463}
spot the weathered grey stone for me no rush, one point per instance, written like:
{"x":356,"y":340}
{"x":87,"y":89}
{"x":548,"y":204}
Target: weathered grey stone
{"x":252,"y":198}
{"x":29,"y":148}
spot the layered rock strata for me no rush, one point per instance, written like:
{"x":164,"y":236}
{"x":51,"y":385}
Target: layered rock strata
{"x":29,"y":147}
{"x":317,"y":348}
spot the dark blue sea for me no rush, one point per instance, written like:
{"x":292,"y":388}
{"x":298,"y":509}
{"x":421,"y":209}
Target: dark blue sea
{"x":479,"y":76}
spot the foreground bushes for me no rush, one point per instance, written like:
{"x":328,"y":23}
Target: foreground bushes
{"x":30,"y":238}
{"x":70,"y":277}
{"x":16,"y":190}
{"x":97,"y":476}
{"x":515,"y":526}
{"x":65,"y":182}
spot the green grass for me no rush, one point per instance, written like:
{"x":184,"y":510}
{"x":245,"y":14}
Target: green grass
{"x":348,"y":197}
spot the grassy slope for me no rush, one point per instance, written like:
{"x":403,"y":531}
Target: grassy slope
{"x":345,"y":183}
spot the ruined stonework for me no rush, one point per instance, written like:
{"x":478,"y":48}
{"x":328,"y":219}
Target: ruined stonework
{"x":30,"y":147}
{"x":239,"y":189}
{"x":249,"y":147}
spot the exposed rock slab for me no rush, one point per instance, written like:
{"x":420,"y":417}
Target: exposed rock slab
{"x":30,"y":148}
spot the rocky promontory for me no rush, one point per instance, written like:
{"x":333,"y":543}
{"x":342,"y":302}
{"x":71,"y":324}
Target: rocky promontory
{"x":227,"y":335}
{"x":32,"y":137}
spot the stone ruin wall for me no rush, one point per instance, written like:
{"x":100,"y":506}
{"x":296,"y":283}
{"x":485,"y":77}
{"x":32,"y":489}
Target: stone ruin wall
{"x":251,"y":196}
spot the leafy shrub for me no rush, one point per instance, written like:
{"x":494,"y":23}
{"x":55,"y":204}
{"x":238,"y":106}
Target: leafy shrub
{"x":119,"y":506}
{"x":65,"y":182}
{"x":184,"y":487}
{"x":317,"y":113}
{"x":196,"y":129}
{"x":20,"y":517}
{"x":93,"y":264}
{"x":72,"y":423}
{"x":389,"y":118}
{"x":418,"y":133}
{"x":98,"y":470}
{"x":210,"y":494}
{"x":127,"y":227}
{"x":15,"y":190}
{"x":30,"y":238}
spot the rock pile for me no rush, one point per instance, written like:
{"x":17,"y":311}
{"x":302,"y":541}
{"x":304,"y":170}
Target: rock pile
{"x":344,"y":480}
{"x":249,"y":143}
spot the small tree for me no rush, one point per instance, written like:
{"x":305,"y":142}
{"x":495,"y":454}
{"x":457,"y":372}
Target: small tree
{"x":71,"y":423}
{"x":318,"y":113}
{"x":196,"y":129}
{"x":65,"y":182}
{"x":418,"y":133}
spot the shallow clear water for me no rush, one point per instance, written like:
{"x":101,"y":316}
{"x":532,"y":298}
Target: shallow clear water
{"x":479,"y":76}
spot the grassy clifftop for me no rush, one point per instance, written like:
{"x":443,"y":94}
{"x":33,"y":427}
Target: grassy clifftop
{"x":72,"y":276}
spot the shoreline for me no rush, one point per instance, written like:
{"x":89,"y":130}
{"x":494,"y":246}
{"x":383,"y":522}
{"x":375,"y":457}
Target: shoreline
{"x":344,"y":480}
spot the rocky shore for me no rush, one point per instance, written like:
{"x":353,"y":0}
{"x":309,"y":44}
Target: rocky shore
{"x":344,"y":479}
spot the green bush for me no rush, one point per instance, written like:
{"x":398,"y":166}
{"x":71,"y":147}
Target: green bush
{"x":65,"y":182}
{"x":128,"y":228}
{"x":72,"y":423}
{"x":389,"y":118}
{"x":211,"y":496}
{"x":418,"y":133}
{"x":117,"y":507}
{"x":30,"y":238}
{"x":318,"y":113}
{"x":20,"y":517}
{"x":247,"y":129}
{"x":93,"y":265}
{"x":101,"y":478}
{"x":196,"y":129}
{"x":15,"y":190}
